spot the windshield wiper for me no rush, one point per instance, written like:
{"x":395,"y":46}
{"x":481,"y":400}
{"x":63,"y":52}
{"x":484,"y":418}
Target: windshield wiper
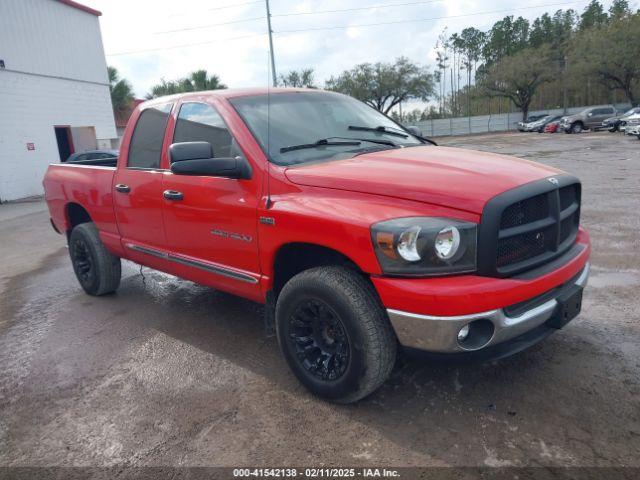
{"x":320,"y":143}
{"x":372,"y":140}
{"x":380,"y":129}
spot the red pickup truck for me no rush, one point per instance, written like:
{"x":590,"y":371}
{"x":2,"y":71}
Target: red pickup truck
{"x":359,"y":235}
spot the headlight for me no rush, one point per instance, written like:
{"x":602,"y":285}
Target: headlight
{"x":425,"y":246}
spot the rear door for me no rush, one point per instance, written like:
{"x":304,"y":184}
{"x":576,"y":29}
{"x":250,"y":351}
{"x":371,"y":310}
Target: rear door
{"x":211,"y":229}
{"x":598,"y":115}
{"x":138,"y":188}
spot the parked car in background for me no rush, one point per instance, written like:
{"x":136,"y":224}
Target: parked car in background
{"x":552,"y":127}
{"x":590,"y":118}
{"x":538,"y":125}
{"x":94,"y":157}
{"x":522,"y":126}
{"x":630,"y":124}
{"x":613,"y":123}
{"x":634,"y":130}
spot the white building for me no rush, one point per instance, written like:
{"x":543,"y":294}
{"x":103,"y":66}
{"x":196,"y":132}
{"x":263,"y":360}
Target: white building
{"x":54,"y":90}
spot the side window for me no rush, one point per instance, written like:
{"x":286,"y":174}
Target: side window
{"x":146,"y":142}
{"x":199,"y":122}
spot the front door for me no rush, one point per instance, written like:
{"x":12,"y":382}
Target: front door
{"x":211,"y":229}
{"x":137,"y":189}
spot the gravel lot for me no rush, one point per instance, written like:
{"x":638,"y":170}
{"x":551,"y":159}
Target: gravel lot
{"x":166,"y":372}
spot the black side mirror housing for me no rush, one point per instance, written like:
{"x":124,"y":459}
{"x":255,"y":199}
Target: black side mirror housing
{"x":236,"y":167}
{"x":196,"y":158}
{"x":179,"y":152}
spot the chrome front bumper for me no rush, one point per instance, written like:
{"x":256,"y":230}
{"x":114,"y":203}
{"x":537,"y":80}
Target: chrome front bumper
{"x":440,"y":334}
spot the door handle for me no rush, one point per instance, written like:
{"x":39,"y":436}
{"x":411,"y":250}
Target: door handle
{"x":172,"y":195}
{"x":122,"y":188}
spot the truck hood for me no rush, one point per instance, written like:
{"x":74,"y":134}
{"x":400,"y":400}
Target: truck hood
{"x":445,"y":176}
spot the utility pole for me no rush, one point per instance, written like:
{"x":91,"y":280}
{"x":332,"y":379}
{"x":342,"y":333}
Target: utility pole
{"x":273,"y":61}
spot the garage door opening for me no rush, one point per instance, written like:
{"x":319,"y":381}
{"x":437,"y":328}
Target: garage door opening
{"x":65,"y":142}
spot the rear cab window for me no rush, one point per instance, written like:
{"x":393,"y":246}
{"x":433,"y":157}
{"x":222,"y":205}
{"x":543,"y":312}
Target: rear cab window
{"x":145,"y":149}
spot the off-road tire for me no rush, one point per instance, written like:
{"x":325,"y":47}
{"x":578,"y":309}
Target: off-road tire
{"x":97,"y":271}
{"x":372,"y":343}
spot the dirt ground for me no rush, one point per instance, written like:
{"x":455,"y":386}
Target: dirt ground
{"x":169,"y":373}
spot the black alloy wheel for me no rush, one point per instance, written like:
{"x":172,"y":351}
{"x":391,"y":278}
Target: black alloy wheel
{"x":319,"y":340}
{"x":83,"y":263}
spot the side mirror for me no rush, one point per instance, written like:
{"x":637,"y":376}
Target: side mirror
{"x":196,"y":158}
{"x":414,"y":130}
{"x":590,"y":114}
{"x":236,"y":167}
{"x":179,"y":152}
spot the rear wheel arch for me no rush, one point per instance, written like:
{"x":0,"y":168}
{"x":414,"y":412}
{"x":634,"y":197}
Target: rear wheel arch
{"x":76,"y":214}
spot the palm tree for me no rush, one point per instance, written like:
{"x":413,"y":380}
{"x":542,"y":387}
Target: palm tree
{"x":200,"y":80}
{"x":195,"y":82}
{"x":121,"y":91}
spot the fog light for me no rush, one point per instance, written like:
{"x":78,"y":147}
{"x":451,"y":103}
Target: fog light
{"x":476,"y":334}
{"x":463,"y":333}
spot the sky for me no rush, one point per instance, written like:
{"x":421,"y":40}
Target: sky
{"x":150,"y":40}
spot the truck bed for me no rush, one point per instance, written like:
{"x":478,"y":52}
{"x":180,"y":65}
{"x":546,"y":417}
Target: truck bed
{"x":89,"y":186}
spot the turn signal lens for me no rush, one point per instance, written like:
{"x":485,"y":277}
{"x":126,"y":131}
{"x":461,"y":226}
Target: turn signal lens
{"x":384,"y":240}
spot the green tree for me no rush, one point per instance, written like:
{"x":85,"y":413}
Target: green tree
{"x":298,"y":79}
{"x":121,"y":91}
{"x":593,"y":16}
{"x":200,"y":80}
{"x":385,"y":85}
{"x":610,"y":52}
{"x":518,"y":76}
{"x":619,"y":9}
{"x":506,"y":37}
{"x":196,"y":81}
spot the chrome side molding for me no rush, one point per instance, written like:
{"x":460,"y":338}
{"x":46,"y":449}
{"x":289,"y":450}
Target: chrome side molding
{"x":209,"y":267}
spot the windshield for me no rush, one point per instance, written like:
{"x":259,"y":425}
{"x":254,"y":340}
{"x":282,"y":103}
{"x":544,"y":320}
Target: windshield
{"x":313,"y":120}
{"x":628,"y":113}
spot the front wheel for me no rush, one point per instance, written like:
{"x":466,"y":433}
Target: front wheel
{"x":97,"y":271}
{"x":335,"y":334}
{"x":576,"y":128}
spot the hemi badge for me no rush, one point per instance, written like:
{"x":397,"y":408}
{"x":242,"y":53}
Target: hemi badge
{"x":268,"y":220}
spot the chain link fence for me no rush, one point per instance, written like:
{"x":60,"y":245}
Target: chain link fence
{"x":488,"y":123}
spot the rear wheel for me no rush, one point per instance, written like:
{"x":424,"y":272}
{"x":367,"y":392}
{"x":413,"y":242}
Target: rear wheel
{"x":335,"y":334}
{"x":97,"y":271}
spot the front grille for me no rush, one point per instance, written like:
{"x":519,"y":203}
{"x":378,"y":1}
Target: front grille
{"x":529,"y":226}
{"x":528,"y":210}
{"x":523,"y":247}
